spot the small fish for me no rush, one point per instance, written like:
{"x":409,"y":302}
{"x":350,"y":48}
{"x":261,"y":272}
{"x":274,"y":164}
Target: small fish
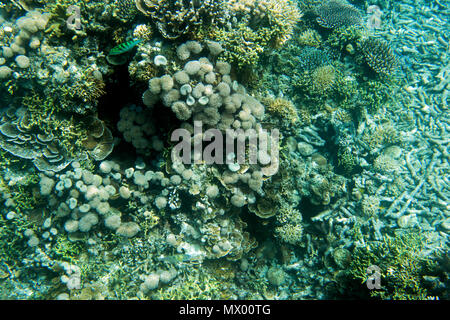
{"x":124,"y":47}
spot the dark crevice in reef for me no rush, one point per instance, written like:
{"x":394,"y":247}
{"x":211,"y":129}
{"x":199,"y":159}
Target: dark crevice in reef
{"x":309,"y":210}
{"x":120,"y":93}
{"x":257,"y":230}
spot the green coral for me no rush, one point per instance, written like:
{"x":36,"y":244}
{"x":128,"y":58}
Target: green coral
{"x":290,"y":228}
{"x":65,"y":250}
{"x":402,"y":262}
{"x":290,"y":233}
{"x":375,"y":94}
{"x":310,"y":37}
{"x":195,"y":285}
{"x":345,"y":39}
{"x":379,"y":55}
{"x":381,"y":135}
{"x":370,"y":206}
{"x":45,"y":114}
{"x":13,"y":243}
{"x":243,"y":45}
{"x":346,"y":159}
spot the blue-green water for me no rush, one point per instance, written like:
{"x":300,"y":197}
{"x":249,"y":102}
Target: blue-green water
{"x":240,"y":149}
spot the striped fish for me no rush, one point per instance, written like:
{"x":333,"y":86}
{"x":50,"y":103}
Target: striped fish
{"x":124,"y":47}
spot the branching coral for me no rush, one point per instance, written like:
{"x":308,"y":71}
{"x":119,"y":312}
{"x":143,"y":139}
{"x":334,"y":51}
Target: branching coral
{"x":125,"y":10}
{"x":175,"y":18}
{"x":402,"y":263}
{"x":51,"y":144}
{"x":89,"y":90}
{"x":309,"y":37}
{"x":311,"y":58}
{"x":379,"y":55}
{"x":337,"y":14}
{"x":282,"y":16}
{"x":258,"y":25}
{"x":283,"y":108}
{"x":323,"y":78}
{"x":244,"y":45}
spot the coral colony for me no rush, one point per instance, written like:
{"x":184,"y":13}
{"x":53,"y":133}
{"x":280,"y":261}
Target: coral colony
{"x":224,"y":149}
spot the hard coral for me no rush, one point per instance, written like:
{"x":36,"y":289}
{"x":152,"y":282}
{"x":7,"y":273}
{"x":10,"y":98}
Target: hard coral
{"x":176,"y":18}
{"x":125,"y":10}
{"x":337,"y":14}
{"x":311,"y":58}
{"x":27,"y":138}
{"x":283,"y":16}
{"x":378,"y":55}
{"x":323,"y":78}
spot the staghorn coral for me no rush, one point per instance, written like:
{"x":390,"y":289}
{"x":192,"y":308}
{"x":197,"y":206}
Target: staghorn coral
{"x":309,"y":37}
{"x":403,"y":262}
{"x":176,"y":18}
{"x":378,"y":55}
{"x":323,"y":79}
{"x":337,"y":14}
{"x":282,"y":17}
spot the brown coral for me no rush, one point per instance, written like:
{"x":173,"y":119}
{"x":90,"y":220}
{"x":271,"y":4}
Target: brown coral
{"x":281,"y":16}
{"x":99,"y":142}
{"x":282,"y":107}
{"x":90,"y":90}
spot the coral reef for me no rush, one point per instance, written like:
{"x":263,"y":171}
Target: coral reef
{"x":177,"y":18}
{"x":115,"y":182}
{"x":262,"y":24}
{"x":21,"y":137}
